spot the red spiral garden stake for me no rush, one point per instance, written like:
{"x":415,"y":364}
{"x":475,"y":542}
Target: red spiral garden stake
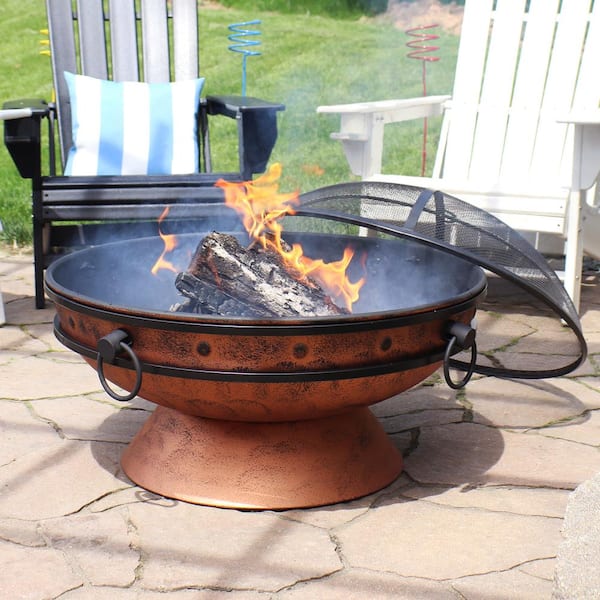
{"x":421,"y":51}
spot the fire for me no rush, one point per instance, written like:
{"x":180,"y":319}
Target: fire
{"x":261,"y":206}
{"x":170,"y":242}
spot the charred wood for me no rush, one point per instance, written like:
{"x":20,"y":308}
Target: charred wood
{"x":225,"y":278}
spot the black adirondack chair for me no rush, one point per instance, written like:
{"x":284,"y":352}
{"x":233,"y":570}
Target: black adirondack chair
{"x":150,"y":41}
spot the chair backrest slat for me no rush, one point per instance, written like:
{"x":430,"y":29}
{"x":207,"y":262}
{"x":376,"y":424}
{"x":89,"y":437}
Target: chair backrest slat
{"x":91,"y":28}
{"x":185,"y":39}
{"x":496,"y":91}
{"x":529,"y":88}
{"x":123,"y":38}
{"x":64,"y":58}
{"x":587,"y":93}
{"x":155,"y":41}
{"x":467,"y":86}
{"x":548,"y":153}
{"x":588,"y":84}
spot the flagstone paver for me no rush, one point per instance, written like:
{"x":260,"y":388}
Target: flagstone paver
{"x":23,"y":533}
{"x":424,"y":397}
{"x":585,"y":430}
{"x":427,"y":540}
{"x":35,"y":573}
{"x":523,"y":404}
{"x":468,"y":453}
{"x":46,"y":376}
{"x":85,"y":419}
{"x":358,"y":584}
{"x":87,"y":592}
{"x":59,"y":479}
{"x":510,"y":499}
{"x":98,"y":544}
{"x":227,"y":549}
{"x":21,"y":433}
{"x":513,"y":584}
{"x":478,"y":512}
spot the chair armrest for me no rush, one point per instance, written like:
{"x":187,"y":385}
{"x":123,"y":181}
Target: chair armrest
{"x":28,"y":106}
{"x":586,"y":147}
{"x":581,"y":117}
{"x":362,"y":123}
{"x":8,"y":114}
{"x":231,"y":106}
{"x":392,"y":111}
{"x":257,"y":128}
{"x":423,"y":104}
{"x":22,"y":133}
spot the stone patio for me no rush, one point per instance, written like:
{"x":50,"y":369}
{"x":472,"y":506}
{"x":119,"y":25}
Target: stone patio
{"x":479,"y":512}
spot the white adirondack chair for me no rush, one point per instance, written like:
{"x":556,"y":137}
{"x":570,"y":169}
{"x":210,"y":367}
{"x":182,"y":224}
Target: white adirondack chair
{"x":520,"y":135}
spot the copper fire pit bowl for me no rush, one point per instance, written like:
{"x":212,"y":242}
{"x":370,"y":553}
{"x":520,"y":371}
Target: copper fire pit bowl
{"x":263,"y":414}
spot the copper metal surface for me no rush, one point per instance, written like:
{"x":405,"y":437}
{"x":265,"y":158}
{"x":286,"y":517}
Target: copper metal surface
{"x":262,"y":465}
{"x":276,"y":401}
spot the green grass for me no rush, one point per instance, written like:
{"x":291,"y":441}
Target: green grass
{"x":24,"y":75}
{"x":306,"y":61}
{"x":330,"y":8}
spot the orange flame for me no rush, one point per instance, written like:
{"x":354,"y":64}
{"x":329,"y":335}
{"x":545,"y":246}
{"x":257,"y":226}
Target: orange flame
{"x":261,"y":206}
{"x":170,"y":242}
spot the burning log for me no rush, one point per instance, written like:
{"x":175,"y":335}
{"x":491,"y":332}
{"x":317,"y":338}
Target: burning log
{"x":227,"y":279}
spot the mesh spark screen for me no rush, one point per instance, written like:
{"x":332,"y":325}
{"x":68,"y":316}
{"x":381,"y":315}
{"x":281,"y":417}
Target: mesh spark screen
{"x":542,"y":337}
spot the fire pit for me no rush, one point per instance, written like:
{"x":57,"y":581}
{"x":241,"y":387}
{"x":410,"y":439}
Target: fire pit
{"x":272,"y":411}
{"x":265,"y":413}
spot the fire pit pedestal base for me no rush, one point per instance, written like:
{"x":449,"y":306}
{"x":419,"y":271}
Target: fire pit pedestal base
{"x":245,"y":465}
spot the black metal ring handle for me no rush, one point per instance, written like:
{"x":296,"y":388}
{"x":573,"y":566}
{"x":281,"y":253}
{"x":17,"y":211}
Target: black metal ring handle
{"x":108,"y":348}
{"x":460,"y":384}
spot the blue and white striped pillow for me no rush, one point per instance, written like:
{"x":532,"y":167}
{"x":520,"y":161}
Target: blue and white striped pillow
{"x":133,"y":128}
